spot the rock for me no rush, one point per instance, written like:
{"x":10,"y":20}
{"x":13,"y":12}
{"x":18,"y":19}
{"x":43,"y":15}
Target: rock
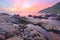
{"x":9,"y":30}
{"x":25,"y":28}
{"x":17,"y":18}
{"x":53,"y":18}
{"x":2,"y":36}
{"x":33,"y":20}
{"x":15,"y":38}
{"x":55,"y":36}
{"x":49,"y":26}
{"x":8,"y":26}
{"x":8,"y":18}
{"x":49,"y":15}
{"x":53,"y":15}
{"x":58,"y":17}
{"x":40,"y":17}
{"x":33,"y":29}
{"x":29,"y":15}
{"x":46,"y":16}
{"x":34,"y":35}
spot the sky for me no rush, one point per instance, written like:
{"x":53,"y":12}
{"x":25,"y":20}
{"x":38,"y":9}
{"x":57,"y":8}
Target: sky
{"x":25,"y":5}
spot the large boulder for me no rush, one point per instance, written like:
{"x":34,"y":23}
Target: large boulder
{"x":35,"y":35}
{"x":33,"y":32}
{"x":7,"y":18}
{"x":8,"y":26}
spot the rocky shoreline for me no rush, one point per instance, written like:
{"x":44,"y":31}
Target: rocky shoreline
{"x":15,"y":27}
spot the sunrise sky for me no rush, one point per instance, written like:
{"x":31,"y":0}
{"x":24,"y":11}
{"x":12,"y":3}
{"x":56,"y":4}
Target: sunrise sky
{"x":25,"y":5}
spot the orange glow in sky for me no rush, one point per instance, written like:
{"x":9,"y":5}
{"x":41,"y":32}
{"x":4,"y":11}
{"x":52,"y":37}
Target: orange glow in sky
{"x":28,"y":6}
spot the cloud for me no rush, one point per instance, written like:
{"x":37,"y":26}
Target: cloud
{"x":19,"y":5}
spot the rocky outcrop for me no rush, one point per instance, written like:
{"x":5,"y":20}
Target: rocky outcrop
{"x":33,"y":32}
{"x":14,"y":27}
{"x":8,"y":26}
{"x":51,"y":27}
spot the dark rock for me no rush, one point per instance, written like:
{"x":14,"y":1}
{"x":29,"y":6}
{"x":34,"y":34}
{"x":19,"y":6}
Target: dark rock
{"x":53,"y":15}
{"x":2,"y":39}
{"x":29,"y":15}
{"x":46,"y":16}
{"x":40,"y":17}
{"x":40,"y":24}
{"x":55,"y":31}
{"x":58,"y":17}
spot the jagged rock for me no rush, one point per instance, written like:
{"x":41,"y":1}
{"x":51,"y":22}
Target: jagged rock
{"x":7,"y":18}
{"x":8,"y":26}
